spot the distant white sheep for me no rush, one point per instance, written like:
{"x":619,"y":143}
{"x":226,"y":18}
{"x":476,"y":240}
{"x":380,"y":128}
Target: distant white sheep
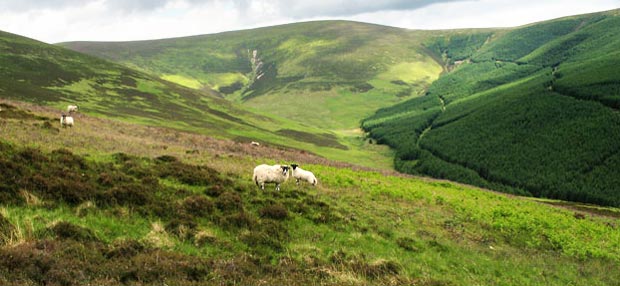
{"x":301,"y":174}
{"x":254,"y":143}
{"x":66,"y":121}
{"x":270,"y":174}
{"x":72,"y":108}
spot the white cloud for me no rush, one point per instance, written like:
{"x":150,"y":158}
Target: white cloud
{"x":485,"y":13}
{"x":120,"y":20}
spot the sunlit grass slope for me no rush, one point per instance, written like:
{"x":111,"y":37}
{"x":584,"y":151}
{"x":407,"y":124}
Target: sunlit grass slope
{"x":329,"y":74}
{"x":111,"y":203}
{"x":532,"y":110}
{"x":38,"y":72}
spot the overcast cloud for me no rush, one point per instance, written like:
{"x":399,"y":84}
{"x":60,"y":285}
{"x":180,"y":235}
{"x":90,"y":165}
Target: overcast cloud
{"x":122,"y":20}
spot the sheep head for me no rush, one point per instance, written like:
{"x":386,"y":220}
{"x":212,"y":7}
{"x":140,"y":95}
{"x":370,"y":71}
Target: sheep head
{"x":284,"y":170}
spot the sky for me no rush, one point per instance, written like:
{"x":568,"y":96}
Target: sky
{"x":54,"y":21}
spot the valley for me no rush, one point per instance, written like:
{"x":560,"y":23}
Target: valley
{"x":446,"y":157}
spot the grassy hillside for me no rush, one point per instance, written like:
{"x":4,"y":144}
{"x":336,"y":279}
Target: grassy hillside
{"x":41,"y":73}
{"x":328,"y":73}
{"x":533,"y":110}
{"x":38,"y":72}
{"x":120,"y":204}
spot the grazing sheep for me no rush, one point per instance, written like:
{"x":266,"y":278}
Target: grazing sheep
{"x":66,"y":121}
{"x":301,"y":174}
{"x":254,"y":143}
{"x":72,"y":108}
{"x":270,"y":174}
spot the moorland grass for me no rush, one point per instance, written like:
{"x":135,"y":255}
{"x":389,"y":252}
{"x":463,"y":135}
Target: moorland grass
{"x":196,"y":218}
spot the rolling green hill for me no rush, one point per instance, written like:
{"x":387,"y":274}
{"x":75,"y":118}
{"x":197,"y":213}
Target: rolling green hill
{"x":533,"y":110}
{"x":327,"y":73}
{"x":107,"y":204}
{"x":37,"y":72}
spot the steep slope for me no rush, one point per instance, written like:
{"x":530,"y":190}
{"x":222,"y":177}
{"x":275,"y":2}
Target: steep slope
{"x":327,"y":73}
{"x":38,"y":72}
{"x":532,"y":111}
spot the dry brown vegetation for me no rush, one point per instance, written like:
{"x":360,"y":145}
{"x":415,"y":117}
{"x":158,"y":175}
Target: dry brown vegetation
{"x":98,"y":135}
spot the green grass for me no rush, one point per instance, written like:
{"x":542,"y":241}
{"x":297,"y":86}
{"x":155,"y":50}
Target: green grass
{"x":355,"y":228}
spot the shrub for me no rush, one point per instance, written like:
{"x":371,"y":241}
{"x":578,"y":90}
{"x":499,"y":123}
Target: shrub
{"x":31,"y":157}
{"x":109,"y":179}
{"x":69,"y":188}
{"x":274,"y":211}
{"x":268,"y":234}
{"x":125,"y":248}
{"x":127,"y":194}
{"x":214,"y":190}
{"x":164,"y":268}
{"x":67,"y":230}
{"x":237,"y":220}
{"x":68,"y":159}
{"x":198,"y":206}
{"x":229,"y":202}
{"x":167,"y":158}
{"x":188,"y":174}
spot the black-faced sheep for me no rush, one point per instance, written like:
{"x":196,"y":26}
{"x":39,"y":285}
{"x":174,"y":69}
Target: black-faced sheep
{"x":72,"y":108}
{"x":301,"y":174}
{"x":270,"y":174}
{"x":66,"y":121}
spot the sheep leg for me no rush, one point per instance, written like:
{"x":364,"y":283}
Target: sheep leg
{"x":297,"y":181}
{"x":277,"y":187}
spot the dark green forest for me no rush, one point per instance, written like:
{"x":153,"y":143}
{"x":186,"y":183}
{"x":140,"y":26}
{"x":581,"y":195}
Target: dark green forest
{"x":532,"y":111}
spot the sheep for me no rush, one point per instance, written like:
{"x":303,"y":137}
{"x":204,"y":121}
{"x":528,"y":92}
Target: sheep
{"x":301,"y":174}
{"x":254,"y":143}
{"x":72,"y":108}
{"x":66,"y":121}
{"x":270,"y":174}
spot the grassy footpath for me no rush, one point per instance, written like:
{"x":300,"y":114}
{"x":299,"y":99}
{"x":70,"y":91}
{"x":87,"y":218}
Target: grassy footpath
{"x":102,"y":204}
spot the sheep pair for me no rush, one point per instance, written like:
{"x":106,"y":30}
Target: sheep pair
{"x":278,"y":174}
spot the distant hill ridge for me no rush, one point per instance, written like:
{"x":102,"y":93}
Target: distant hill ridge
{"x":353,"y":68}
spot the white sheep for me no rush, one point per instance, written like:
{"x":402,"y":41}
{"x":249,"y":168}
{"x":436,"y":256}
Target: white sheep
{"x":66,"y":121}
{"x":270,"y":174}
{"x":72,"y":108}
{"x":301,"y":174}
{"x":254,"y":143}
